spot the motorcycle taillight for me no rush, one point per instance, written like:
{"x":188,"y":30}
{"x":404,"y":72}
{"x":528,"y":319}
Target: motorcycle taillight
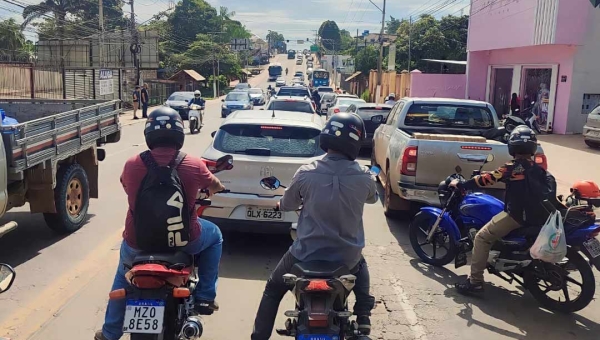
{"x":147,"y":282}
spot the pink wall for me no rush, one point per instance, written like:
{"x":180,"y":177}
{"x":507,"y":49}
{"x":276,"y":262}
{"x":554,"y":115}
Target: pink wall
{"x":477,"y":69}
{"x":437,"y":85}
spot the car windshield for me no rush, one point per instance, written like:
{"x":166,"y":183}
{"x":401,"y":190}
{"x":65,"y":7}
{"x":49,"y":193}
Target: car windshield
{"x":180,"y":97}
{"x":327,"y":97}
{"x":460,"y":116}
{"x":349,"y":101}
{"x":236,"y":97}
{"x":293,"y":92}
{"x":283,"y":141}
{"x":242,"y":86}
{"x":255,"y":91}
{"x":291,"y":105}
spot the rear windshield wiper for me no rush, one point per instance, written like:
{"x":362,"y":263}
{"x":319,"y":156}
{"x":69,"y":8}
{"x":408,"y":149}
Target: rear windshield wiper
{"x":255,"y":152}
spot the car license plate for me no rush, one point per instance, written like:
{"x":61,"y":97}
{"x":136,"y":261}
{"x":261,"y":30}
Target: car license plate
{"x":264,"y":214}
{"x":318,"y":337}
{"x":594,"y":134}
{"x":144,"y":316}
{"x":593,"y":247}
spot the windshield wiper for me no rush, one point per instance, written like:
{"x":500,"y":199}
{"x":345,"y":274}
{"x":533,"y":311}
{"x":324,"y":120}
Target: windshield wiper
{"x":255,"y":152}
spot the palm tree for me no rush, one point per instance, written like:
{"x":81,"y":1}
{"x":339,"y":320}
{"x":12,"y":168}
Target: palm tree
{"x":11,"y":37}
{"x":58,"y":8}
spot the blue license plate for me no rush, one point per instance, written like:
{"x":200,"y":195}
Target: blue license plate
{"x":318,"y":337}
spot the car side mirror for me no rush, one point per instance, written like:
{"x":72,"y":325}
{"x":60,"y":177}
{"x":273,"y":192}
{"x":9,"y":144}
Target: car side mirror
{"x":7,"y":277}
{"x":223,"y":100}
{"x":378,"y":119}
{"x":212,"y":134}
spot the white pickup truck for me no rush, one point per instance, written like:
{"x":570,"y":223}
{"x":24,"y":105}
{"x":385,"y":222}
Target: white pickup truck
{"x":422,"y":142}
{"x":50,"y":159}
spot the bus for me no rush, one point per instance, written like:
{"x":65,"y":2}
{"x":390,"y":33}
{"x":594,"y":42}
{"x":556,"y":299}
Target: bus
{"x":291,"y":54}
{"x":275,"y":71}
{"x":319,"y":77}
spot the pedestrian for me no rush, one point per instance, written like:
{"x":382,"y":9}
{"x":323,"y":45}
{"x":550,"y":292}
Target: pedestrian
{"x":145,"y":100}
{"x":514,"y":104}
{"x":136,"y":101}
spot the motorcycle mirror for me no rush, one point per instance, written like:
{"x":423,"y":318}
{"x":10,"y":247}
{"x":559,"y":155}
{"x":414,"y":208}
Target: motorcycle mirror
{"x":270,"y":183}
{"x":225,"y":163}
{"x":7,"y":277}
{"x":223,"y":100}
{"x":533,"y":102}
{"x":212,"y":134}
{"x":490,"y":158}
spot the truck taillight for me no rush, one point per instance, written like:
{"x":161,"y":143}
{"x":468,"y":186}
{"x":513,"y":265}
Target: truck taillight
{"x":409,"y":161}
{"x":541,"y":160}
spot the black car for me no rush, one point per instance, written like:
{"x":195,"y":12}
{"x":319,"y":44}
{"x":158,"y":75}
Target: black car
{"x":179,"y":101}
{"x":367,"y":112}
{"x":294,"y":91}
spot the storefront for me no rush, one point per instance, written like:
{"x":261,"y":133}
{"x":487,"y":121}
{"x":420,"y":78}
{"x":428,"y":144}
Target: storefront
{"x":535,"y":86}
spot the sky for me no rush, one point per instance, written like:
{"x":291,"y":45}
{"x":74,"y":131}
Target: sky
{"x":296,"y":20}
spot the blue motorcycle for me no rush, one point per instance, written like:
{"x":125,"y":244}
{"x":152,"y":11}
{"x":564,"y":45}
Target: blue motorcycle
{"x":440,"y":236}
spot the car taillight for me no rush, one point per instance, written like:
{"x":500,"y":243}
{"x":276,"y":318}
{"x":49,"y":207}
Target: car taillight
{"x":210,"y":164}
{"x":409,"y":161}
{"x":336,"y":110}
{"x":541,"y":160}
{"x":317,"y":285}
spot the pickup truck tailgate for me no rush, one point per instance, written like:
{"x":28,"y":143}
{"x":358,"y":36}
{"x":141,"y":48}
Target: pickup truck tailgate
{"x":438,"y":156}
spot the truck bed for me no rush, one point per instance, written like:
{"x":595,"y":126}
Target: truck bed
{"x":56,"y":129}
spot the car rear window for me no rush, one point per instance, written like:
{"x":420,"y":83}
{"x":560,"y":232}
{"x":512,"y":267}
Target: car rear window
{"x":255,"y":91}
{"x":268,"y":140}
{"x":236,"y":97}
{"x":373,"y":111}
{"x":325,"y":89}
{"x":349,"y":101}
{"x":292,"y":105}
{"x":327,"y":97}
{"x":459,"y":116}
{"x":293,"y":92}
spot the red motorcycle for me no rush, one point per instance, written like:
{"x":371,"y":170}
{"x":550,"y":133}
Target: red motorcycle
{"x":160,"y":300}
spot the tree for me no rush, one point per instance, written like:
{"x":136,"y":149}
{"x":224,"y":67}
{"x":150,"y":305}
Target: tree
{"x":391,"y":27}
{"x":330,"y":35}
{"x":347,"y":42}
{"x":366,"y":60}
{"x":112,"y":12}
{"x":190,"y":18}
{"x":12,"y":40}
{"x":58,"y":8}
{"x":276,"y":40}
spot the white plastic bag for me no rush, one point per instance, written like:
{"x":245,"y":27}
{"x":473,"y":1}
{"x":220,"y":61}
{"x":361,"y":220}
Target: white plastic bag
{"x":550,"y":245}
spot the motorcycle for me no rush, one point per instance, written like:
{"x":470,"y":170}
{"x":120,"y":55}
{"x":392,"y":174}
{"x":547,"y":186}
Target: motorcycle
{"x":321,"y":290}
{"x":7,"y":277}
{"x":525,"y":117}
{"x":196,"y":117}
{"x":160,"y":298}
{"x":452,"y":229}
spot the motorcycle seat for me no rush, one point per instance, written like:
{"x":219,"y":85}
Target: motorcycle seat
{"x":526,"y":231}
{"x":320,"y":269}
{"x":175,"y":258}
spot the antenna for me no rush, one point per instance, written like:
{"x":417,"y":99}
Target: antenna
{"x":273,"y":115}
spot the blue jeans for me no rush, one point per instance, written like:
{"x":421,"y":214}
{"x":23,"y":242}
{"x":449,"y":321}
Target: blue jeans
{"x":207,"y":249}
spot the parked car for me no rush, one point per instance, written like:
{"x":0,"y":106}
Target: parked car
{"x":236,"y":100}
{"x":341,"y":102}
{"x":179,"y":101}
{"x":298,"y":61}
{"x":242,"y":86}
{"x":424,"y":139}
{"x":257,"y":95}
{"x":367,"y":111}
{"x":293,"y":104}
{"x":280,"y":82}
{"x":263,"y":144}
{"x":591,"y":129}
{"x":309,"y":64}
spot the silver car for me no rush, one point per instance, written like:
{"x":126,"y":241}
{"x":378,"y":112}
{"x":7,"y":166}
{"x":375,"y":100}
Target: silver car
{"x":591,"y":129}
{"x":262,"y":146}
{"x":342,"y":102}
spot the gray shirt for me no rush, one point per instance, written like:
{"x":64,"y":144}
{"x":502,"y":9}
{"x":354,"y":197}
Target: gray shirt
{"x":332,"y":192}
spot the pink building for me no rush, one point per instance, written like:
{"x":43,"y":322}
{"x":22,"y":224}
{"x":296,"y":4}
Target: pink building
{"x":546,"y":51}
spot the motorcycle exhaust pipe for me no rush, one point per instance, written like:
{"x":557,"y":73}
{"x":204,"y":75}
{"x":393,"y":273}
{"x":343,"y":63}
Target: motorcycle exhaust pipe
{"x":192,"y":328}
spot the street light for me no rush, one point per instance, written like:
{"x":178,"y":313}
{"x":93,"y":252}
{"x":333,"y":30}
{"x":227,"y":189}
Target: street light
{"x":380,"y":59}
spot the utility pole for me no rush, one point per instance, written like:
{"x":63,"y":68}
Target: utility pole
{"x":101,"y":40}
{"x":409,"y":40}
{"x":135,"y":48}
{"x":380,"y":60}
{"x":356,"y":47}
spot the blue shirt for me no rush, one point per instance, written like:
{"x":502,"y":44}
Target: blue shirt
{"x":197,"y":101}
{"x":333,"y":192}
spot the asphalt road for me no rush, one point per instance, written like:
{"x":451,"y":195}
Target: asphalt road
{"x":62,"y":282}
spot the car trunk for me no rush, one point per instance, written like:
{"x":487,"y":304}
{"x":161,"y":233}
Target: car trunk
{"x":438,"y":156}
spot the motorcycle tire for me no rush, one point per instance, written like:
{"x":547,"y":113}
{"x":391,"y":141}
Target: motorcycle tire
{"x":588,"y":286}
{"x":420,"y":221}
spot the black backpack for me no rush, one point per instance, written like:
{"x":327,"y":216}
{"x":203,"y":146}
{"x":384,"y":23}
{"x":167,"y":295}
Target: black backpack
{"x":162,"y":214}
{"x":527,"y":197}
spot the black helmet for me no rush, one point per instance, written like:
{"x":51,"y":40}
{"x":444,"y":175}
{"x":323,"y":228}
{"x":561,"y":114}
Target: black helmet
{"x":343,"y":133}
{"x":522,"y":141}
{"x":164,"y":127}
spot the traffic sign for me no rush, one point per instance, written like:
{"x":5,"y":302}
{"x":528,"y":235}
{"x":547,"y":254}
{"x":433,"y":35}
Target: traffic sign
{"x":314,"y":48}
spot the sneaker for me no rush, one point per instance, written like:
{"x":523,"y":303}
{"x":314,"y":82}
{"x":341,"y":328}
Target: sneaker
{"x":204,"y":307}
{"x":100,"y":336}
{"x":364,"y":324}
{"x":469,"y":287}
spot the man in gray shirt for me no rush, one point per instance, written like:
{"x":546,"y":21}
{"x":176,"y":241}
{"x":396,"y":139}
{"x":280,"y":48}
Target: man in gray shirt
{"x":332,"y":193}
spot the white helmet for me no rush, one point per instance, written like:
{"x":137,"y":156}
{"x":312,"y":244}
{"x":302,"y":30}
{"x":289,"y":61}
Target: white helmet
{"x":392,"y":95}
{"x":197,"y":92}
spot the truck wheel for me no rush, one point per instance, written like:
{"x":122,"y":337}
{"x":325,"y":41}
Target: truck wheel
{"x":389,"y":198}
{"x":592,"y":144}
{"x":72,"y":199}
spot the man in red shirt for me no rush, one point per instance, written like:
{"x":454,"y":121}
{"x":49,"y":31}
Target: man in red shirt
{"x":164,"y":137}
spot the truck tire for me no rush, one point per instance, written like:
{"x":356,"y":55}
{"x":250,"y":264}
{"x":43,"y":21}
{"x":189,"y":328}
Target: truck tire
{"x":72,"y":199}
{"x":389,"y":198}
{"x":592,"y":144}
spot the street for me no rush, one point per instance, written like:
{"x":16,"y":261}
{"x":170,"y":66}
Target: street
{"x":62,"y":283}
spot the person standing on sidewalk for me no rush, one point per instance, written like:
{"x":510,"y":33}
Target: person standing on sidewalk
{"x":145,"y":99}
{"x":136,"y":101}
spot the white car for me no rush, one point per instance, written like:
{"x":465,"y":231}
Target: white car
{"x":295,"y":104}
{"x":280,"y":82}
{"x":262,"y":146}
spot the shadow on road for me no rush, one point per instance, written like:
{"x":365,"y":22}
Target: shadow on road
{"x":521,"y":311}
{"x":32,"y":236}
{"x":574,"y":142}
{"x":252,"y":256}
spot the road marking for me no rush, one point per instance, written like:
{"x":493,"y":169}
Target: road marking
{"x":29,"y":319}
{"x":409,"y":311}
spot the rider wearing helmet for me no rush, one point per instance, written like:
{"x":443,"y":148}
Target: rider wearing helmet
{"x":164,"y":137}
{"x":332,"y":192}
{"x":391,"y":99}
{"x":197,"y":99}
{"x":526,"y":188}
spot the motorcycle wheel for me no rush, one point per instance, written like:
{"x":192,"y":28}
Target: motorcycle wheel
{"x":575,"y":262}
{"x":418,"y":230}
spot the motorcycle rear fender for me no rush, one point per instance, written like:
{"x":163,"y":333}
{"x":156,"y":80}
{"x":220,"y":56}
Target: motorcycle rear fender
{"x":578,"y":236}
{"x":446,"y":224}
